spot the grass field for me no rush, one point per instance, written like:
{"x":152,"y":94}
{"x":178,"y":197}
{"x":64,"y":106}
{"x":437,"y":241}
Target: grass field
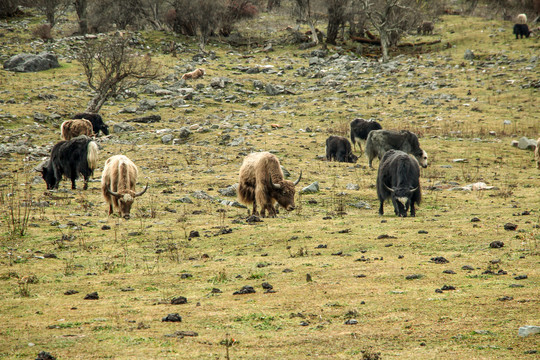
{"x":328,"y":261}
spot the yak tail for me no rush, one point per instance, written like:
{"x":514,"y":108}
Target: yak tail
{"x":92,"y":155}
{"x":63,"y":130}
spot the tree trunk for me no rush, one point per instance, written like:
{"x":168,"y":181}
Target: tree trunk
{"x":80,"y":8}
{"x":384,"y":44}
{"x":96,"y":103}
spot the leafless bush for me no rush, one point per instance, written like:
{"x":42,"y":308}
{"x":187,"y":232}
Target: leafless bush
{"x":112,"y":67}
{"x":105,"y":15}
{"x":16,"y":209}
{"x":8,"y":8}
{"x":43,"y":32}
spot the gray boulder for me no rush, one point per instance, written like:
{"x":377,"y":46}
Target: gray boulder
{"x":311,"y":189}
{"x":526,"y":144}
{"x":469,"y":55}
{"x":31,"y":62}
{"x":528,"y":330}
{"x":123,"y":127}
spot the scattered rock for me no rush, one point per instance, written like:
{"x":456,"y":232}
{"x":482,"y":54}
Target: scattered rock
{"x":194,"y":234}
{"x":451,"y":272}
{"x":351,"y":322}
{"x":311,"y":189}
{"x":71,"y":292}
{"x":32,"y":63}
{"x":521,"y":277}
{"x":123,"y":127}
{"x":414,"y":276}
{"x":469,"y":55}
{"x":172,"y":318}
{"x":496,"y":244}
{"x":92,"y":296}
{"x":43,"y":355}
{"x":467,"y":267}
{"x":439,"y":260}
{"x":510,"y":227}
{"x":245,"y":290}
{"x":448,"y":287}
{"x":179,"y":300}
{"x":528,"y":330}
{"x":146,"y":119}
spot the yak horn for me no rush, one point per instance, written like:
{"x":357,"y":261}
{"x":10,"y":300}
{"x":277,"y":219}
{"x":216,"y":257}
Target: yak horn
{"x":142,"y":192}
{"x":276,"y":186}
{"x":300,"y":177}
{"x":413,"y":190}
{"x":389,"y":189}
{"x":112,"y":192}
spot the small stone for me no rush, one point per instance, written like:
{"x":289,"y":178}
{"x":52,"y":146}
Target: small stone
{"x":451,"y":272}
{"x":179,"y":300}
{"x":194,"y":234}
{"x":467,"y":267}
{"x":496,"y":244}
{"x":351,"y":322}
{"x":172,"y":318}
{"x":105,"y":227}
{"x":521,"y":277}
{"x":71,"y":292}
{"x":43,"y":355}
{"x":304,"y":323}
{"x":439,"y":260}
{"x":414,"y":277}
{"x":92,"y":296}
{"x":448,"y":287}
{"x":267,"y":286}
{"x":245,"y":290}
{"x":510,"y":227}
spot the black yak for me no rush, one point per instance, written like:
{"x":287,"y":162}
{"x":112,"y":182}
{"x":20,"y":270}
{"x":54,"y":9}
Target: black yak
{"x":339,"y":149}
{"x":398,"y":178}
{"x":360,"y":130}
{"x":71,"y":158}
{"x":96,"y":120}
{"x":261,"y":183}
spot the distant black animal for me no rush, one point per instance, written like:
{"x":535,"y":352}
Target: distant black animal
{"x":360,"y":129}
{"x":339,"y":149}
{"x":96,"y":120}
{"x":71,"y":158}
{"x":399,"y":179}
{"x":380,"y":141}
{"x":521,"y":30}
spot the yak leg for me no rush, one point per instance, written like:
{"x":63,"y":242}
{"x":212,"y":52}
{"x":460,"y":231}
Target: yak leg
{"x":110,"y":209}
{"x":255,"y":212}
{"x":413,"y":210}
{"x":85,"y":187}
{"x":381,"y":211}
{"x":73,"y":186}
{"x":271,"y":211}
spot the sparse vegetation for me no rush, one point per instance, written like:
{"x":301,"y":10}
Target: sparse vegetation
{"x":328,"y":262}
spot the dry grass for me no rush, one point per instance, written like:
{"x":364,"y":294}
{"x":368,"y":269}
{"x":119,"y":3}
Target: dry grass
{"x":360,"y":274}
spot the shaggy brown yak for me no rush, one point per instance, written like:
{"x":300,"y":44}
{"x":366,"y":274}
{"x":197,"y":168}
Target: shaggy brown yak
{"x":261,"y":182}
{"x":74,"y":128}
{"x":195,"y":74}
{"x":118,"y":184}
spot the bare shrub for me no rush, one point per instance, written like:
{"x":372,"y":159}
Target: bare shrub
{"x":112,"y":67}
{"x":8,"y":8}
{"x":43,"y":32}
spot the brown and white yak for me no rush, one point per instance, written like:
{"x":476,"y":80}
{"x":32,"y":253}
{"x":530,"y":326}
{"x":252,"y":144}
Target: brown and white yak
{"x":118,"y":184}
{"x":195,"y":74}
{"x":261,"y":183}
{"x":74,"y":128}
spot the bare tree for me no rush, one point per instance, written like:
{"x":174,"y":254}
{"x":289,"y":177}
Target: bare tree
{"x":106,"y":15}
{"x":336,"y":18}
{"x":273,"y":4}
{"x":304,"y":9}
{"x":391,"y":18}
{"x":51,"y":8}
{"x":8,"y":8}
{"x":112,"y":67}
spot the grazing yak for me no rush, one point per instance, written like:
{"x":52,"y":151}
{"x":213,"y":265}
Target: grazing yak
{"x":399,"y":179}
{"x":71,"y":158}
{"x":380,"y":141}
{"x":74,"y":128}
{"x":195,"y":74}
{"x":520,"y":28}
{"x":537,"y":153}
{"x":425,"y":28}
{"x":96,"y":120}
{"x":118,"y":184}
{"x":339,"y":149}
{"x":360,"y":128}
{"x":261,"y":183}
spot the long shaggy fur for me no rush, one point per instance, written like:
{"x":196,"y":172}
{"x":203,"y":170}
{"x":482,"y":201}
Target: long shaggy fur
{"x":380,"y":141}
{"x":521,"y":19}
{"x":195,"y":74}
{"x":258,"y":173}
{"x":71,"y":158}
{"x":398,"y":178}
{"x":120,"y":176}
{"x":339,"y":149}
{"x":360,"y":129}
{"x":74,"y":128}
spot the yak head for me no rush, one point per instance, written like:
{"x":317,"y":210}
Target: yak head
{"x":351,"y":158}
{"x":422,"y":158}
{"x":47,"y":173}
{"x":284,"y":192}
{"x":105,"y":128}
{"x":125,"y":200}
{"x":401,"y":198}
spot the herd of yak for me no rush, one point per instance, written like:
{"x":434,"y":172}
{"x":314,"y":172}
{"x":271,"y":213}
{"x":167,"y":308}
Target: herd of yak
{"x":261,"y":182}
